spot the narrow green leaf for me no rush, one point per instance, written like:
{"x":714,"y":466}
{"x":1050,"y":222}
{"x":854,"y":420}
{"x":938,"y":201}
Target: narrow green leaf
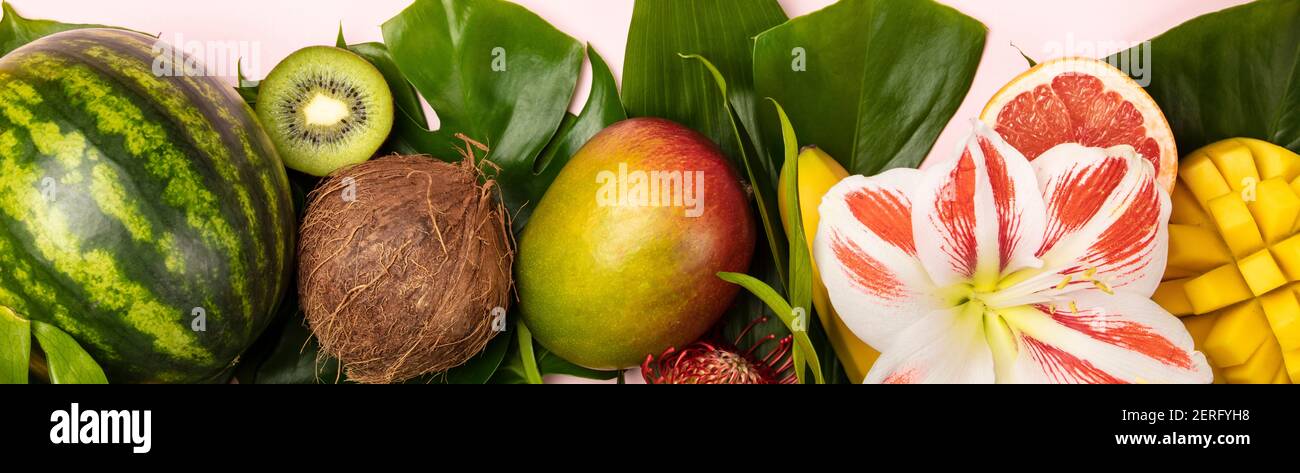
{"x":512,"y":370}
{"x":550,"y":363}
{"x":768,"y":211}
{"x":15,"y":347}
{"x":783,"y":311}
{"x":68,"y":362}
{"x":1234,"y":73}
{"x":871,"y":82}
{"x":494,"y":72}
{"x":799,"y":284}
{"x":531,"y":373}
{"x":479,"y":370}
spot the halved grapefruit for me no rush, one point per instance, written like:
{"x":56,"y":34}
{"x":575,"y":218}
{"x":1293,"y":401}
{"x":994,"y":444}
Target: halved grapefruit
{"x":1085,"y":101}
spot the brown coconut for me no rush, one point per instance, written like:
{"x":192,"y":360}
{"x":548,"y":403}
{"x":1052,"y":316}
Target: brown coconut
{"x":404,"y":262}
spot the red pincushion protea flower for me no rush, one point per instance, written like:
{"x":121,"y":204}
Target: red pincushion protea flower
{"x":716,"y":363}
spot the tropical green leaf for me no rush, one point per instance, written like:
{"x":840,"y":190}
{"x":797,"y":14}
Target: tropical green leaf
{"x":67,"y":362}
{"x":293,"y":356}
{"x":410,"y":125}
{"x":832,"y":368}
{"x":15,"y":31}
{"x":495,"y":73}
{"x":602,"y":109}
{"x":764,"y":195}
{"x":742,"y":323}
{"x":786,"y":313}
{"x":799,"y":284}
{"x":15,"y":347}
{"x":1234,"y":73}
{"x":872,"y":82}
{"x":526,"y":356}
{"x":657,"y":83}
{"x":479,"y":370}
{"x":512,"y":371}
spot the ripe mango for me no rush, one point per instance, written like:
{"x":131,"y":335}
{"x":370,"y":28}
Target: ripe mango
{"x":818,"y":172}
{"x":620,"y":258}
{"x":1234,"y":259}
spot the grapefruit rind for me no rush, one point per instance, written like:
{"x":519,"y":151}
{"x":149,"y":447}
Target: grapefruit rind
{"x":1113,"y":79}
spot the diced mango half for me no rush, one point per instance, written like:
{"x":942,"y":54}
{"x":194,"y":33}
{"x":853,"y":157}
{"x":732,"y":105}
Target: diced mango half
{"x":1291,"y":360}
{"x":1237,"y":333}
{"x":1196,"y":249}
{"x":1274,"y":209}
{"x":1233,"y":273}
{"x":1273,"y":161}
{"x":1287,"y":255}
{"x":1235,"y":224}
{"x":1282,"y":377}
{"x":1234,"y":162}
{"x":1200,"y":176}
{"x":1261,"y":367}
{"x":1187,"y":210}
{"x":1173,"y":297}
{"x":1200,"y":326}
{"x":1216,"y":289}
{"x":1261,"y":272}
{"x":1283,"y":313}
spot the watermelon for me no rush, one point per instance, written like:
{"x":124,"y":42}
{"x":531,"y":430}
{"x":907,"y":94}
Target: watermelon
{"x":145,"y":214}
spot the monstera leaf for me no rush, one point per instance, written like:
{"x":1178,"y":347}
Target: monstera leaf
{"x":871,"y":82}
{"x":494,"y":73}
{"x":1234,"y":73}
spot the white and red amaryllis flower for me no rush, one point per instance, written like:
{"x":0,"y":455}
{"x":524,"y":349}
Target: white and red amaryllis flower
{"x":991,"y":268}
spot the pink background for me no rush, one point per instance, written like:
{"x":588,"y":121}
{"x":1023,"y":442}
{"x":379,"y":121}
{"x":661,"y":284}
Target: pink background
{"x":279,"y":27}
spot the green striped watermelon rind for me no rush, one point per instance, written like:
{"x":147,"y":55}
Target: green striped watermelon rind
{"x":132,"y":203}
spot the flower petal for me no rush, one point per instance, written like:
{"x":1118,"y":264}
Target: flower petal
{"x":1095,"y":337}
{"x":1107,"y":218}
{"x":978,"y":216}
{"x":945,"y":346}
{"x":867,"y":258}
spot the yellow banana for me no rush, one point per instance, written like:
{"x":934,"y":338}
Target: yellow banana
{"x":818,"y":172}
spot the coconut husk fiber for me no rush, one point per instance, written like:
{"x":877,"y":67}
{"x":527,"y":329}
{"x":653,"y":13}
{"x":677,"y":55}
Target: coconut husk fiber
{"x":402,"y":280}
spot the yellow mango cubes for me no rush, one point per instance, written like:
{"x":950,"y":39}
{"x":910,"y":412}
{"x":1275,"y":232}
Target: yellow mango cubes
{"x":1234,"y":259}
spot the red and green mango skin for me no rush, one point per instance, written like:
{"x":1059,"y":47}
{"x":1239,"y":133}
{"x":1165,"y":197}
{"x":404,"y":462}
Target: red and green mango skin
{"x":605,"y":285}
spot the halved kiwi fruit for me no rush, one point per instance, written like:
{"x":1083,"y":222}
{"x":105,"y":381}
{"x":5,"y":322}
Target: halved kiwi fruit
{"x":325,"y":108}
